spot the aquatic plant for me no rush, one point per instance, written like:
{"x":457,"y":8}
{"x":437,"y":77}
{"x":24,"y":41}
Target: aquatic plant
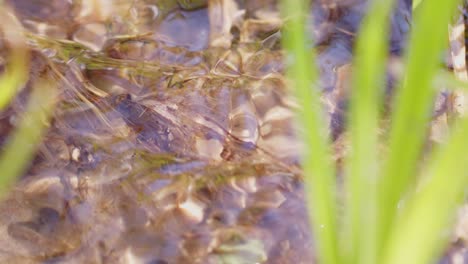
{"x":389,"y":202}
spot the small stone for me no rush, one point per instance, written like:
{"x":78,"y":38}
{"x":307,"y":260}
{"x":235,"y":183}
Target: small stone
{"x":193,"y":209}
{"x":76,"y":154}
{"x":209,"y":148}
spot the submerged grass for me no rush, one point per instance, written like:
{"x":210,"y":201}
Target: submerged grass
{"x":375,"y":229}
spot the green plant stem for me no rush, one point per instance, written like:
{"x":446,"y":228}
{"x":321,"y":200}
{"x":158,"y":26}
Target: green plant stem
{"x":412,"y":108}
{"x":416,"y":236}
{"x":24,"y":140}
{"x":15,"y":75}
{"x":318,"y":168}
{"x":360,"y":242}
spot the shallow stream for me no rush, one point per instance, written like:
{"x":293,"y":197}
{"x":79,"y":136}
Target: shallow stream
{"x":173,"y":139}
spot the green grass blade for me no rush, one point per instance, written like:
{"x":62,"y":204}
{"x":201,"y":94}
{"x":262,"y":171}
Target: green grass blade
{"x":416,"y":237}
{"x":416,"y":3}
{"x":20,"y":148}
{"x":318,"y":169}
{"x":361,"y":168}
{"x":413,"y":104}
{"x":15,"y":74}
{"x":447,"y":80}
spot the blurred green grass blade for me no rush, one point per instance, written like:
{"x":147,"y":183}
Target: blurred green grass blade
{"x":318,"y":169}
{"x":447,"y":80}
{"x":361,"y":167}
{"x":16,"y":71}
{"x":21,"y":147}
{"x":417,"y":236}
{"x":416,"y":3}
{"x":413,"y":106}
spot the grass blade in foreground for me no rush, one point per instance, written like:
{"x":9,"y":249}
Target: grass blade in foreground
{"x":415,"y":237}
{"x":16,"y":71}
{"x":361,"y":168}
{"x":24,"y":140}
{"x":318,"y":169}
{"x":412,"y":108}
